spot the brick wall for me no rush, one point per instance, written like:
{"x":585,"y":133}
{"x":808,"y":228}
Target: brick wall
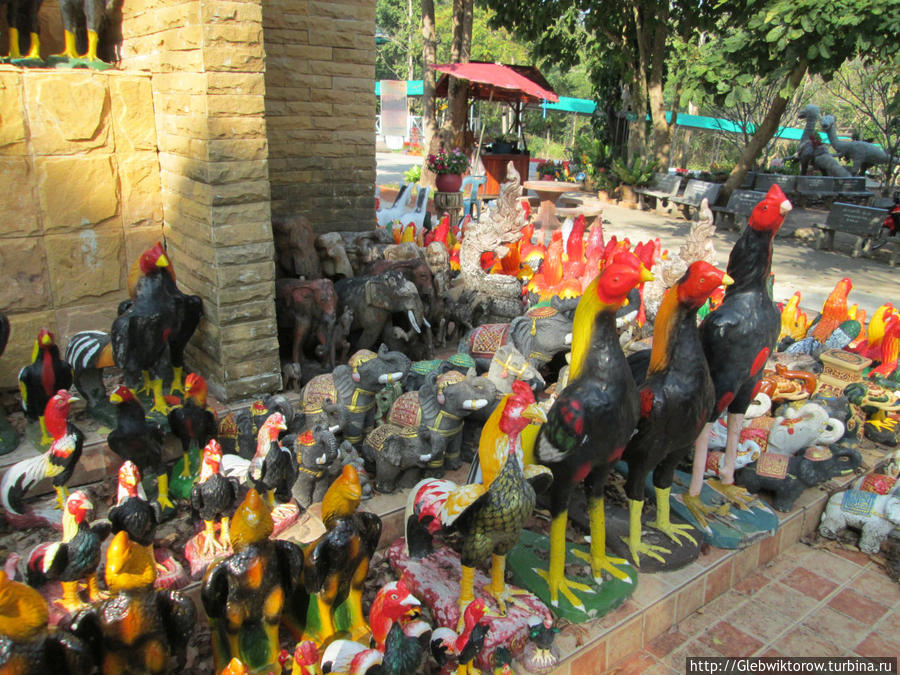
{"x":80,"y":182}
{"x":320,"y":110}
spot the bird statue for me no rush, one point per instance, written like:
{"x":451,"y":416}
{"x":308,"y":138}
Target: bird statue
{"x":591,"y":421}
{"x":58,"y":463}
{"x":676,"y":397}
{"x":193,"y":420}
{"x":246,"y":594}
{"x":465,"y":646}
{"x":41,"y":379}
{"x":213,"y":496}
{"x":132,"y":512}
{"x":490,"y":514}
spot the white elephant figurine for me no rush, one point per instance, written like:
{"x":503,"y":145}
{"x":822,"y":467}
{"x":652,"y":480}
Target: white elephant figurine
{"x":752,"y":441}
{"x":810,"y":426}
{"x":876,"y":515}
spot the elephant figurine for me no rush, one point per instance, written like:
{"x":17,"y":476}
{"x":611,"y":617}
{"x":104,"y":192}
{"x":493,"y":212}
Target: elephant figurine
{"x":347,"y":394}
{"x":540,"y":334}
{"x":440,"y":407}
{"x":788,"y":476}
{"x":319,"y":460}
{"x":876,"y":515}
{"x":304,"y":309}
{"x":295,"y":248}
{"x":397,"y":455}
{"x":420,"y":370}
{"x":508,"y":365}
{"x":374,"y":300}
{"x":810,"y":425}
{"x":333,"y":256}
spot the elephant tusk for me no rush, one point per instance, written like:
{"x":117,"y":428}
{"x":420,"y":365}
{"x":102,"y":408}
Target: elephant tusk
{"x":425,"y":458}
{"x":568,"y":338}
{"x":387,"y":378}
{"x":474,"y":403}
{"x":321,"y":459}
{"x":334,"y":428}
{"x":425,"y":321}
{"x":412,"y":321}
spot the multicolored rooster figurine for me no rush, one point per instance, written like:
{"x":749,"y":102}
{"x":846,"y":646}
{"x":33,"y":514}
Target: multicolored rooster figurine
{"x":489,"y":514}
{"x":41,"y":379}
{"x":213,"y":496}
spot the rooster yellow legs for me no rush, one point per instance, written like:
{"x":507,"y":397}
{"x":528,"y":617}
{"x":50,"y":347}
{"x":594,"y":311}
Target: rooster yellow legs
{"x":225,"y":533}
{"x":162,"y":483}
{"x":466,"y":592}
{"x":94,"y":592}
{"x":70,"y":51}
{"x":663,"y":521}
{"x":159,"y":401}
{"x":186,"y":466}
{"x":358,"y":626}
{"x":600,"y":562}
{"x":177,"y":379}
{"x":325,"y":604}
{"x":70,"y":600}
{"x":635,"y":545}
{"x":210,"y":545}
{"x":497,"y":587}
{"x":34,"y":52}
{"x":555,"y":576}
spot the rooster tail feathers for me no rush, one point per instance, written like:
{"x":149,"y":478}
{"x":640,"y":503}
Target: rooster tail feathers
{"x":235,"y":466}
{"x":87,"y":349}
{"x":418,"y":538}
{"x":18,"y":480}
{"x":436,"y":504}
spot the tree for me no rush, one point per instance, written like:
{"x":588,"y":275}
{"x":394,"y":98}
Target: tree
{"x":786,"y":39}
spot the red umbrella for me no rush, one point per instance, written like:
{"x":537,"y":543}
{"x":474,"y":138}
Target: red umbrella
{"x":498,"y":82}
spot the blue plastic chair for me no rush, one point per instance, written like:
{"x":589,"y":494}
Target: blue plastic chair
{"x":473,"y":183}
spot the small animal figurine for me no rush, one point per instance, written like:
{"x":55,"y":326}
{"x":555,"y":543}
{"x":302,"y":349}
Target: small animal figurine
{"x":273,"y":469}
{"x":489,"y":514}
{"x":245,"y":594}
{"x":27,"y":646}
{"x":319,"y":460}
{"x":58,"y":463}
{"x":140,"y":440}
{"x":42,"y":378}
{"x":213,"y":496}
{"x":75,"y":558}
{"x":464,"y":647}
{"x":138,"y":629}
{"x":336,"y":565}
{"x":133,"y":513}
{"x":193,"y":420}
{"x":873,"y":514}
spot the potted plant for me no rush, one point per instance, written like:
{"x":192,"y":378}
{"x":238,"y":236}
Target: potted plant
{"x":638,"y":174}
{"x":547,"y":170}
{"x":449,"y":168}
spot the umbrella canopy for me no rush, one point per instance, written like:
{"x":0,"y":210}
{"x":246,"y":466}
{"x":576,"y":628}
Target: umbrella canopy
{"x":498,"y":82}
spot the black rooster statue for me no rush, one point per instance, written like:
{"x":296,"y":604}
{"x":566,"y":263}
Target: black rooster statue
{"x":42,"y":378}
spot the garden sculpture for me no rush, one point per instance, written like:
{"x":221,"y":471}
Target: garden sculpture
{"x":862,"y":154}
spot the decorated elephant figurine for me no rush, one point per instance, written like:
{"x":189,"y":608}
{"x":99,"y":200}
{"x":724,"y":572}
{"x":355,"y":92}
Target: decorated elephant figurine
{"x":421,"y":370}
{"x":333,"y":256}
{"x":540,"y":334}
{"x":440,"y":407}
{"x":876,"y":515}
{"x":808,"y":426}
{"x":509,"y":365}
{"x":304,"y":309}
{"x":396,"y":455}
{"x":347,"y":394}
{"x":374,"y":300}
{"x":319,"y":460}
{"x":787,"y":477}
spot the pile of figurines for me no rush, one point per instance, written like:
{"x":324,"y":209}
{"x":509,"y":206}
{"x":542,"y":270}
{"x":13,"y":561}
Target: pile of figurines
{"x":574,"y":386}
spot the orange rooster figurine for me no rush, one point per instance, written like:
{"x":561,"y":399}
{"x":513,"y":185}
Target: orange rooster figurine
{"x":834,"y":311}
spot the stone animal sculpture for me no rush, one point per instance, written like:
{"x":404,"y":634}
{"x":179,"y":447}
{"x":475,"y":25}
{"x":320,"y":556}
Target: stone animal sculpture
{"x":374,"y":301}
{"x":540,"y":334}
{"x":812,"y":151}
{"x":509,"y":365}
{"x":305,"y":309}
{"x":863,"y":155}
{"x":22,"y":19}
{"x":349,"y":391}
{"x":333,"y":256}
{"x":440,"y":407}
{"x":397,"y":455}
{"x":876,"y":515}
{"x":788,"y":477}
{"x":807,"y":426}
{"x":366,"y":247}
{"x":319,"y":461}
{"x":295,"y":248}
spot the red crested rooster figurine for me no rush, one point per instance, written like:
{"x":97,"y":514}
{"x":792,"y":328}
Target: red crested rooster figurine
{"x":273,"y":470}
{"x":133,"y":513}
{"x":676,"y":395}
{"x":73,"y":559}
{"x":214,"y":496}
{"x":192,"y":421}
{"x":737,"y":339}
{"x":41,"y":379}
{"x":465,"y":647}
{"x":57,"y":463}
{"x":489,"y":514}
{"x":591,"y":421}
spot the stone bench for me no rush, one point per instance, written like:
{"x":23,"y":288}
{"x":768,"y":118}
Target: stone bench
{"x":862,"y":222}
{"x":853,"y":188}
{"x":694,"y":193}
{"x":664,"y":186}
{"x":740,"y":204}
{"x":811,"y":188}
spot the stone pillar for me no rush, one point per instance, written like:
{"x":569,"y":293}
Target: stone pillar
{"x":207,"y":62}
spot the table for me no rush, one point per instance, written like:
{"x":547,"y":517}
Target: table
{"x":549,"y":192}
{"x":495,"y":170}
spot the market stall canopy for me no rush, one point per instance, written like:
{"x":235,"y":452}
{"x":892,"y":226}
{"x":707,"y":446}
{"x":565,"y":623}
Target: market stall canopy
{"x":498,"y":82}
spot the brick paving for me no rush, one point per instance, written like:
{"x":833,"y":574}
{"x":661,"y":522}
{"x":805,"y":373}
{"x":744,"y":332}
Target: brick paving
{"x":808,"y":601}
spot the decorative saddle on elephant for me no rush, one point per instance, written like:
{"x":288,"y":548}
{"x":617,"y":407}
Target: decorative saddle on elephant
{"x":487,"y":339}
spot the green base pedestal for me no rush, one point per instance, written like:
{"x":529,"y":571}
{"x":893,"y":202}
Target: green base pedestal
{"x":28,"y":63}
{"x":180,"y":486}
{"x":9,"y":439}
{"x":532,"y":553}
{"x":64,"y":63}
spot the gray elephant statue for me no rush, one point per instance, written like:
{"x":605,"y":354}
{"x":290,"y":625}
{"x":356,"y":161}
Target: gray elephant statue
{"x":375,"y":301}
{"x":421,"y":370}
{"x":875,"y":515}
{"x":333,"y":256}
{"x":295,"y":248}
{"x":440,"y":407}
{"x":305,"y":309}
{"x":347,"y":394}
{"x":396,"y":455}
{"x":787,"y":477}
{"x":509,"y":365}
{"x":540,"y":334}
{"x":319,"y":460}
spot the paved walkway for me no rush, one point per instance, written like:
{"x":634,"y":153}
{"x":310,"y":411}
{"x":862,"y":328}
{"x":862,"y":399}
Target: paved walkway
{"x":807,"y":602}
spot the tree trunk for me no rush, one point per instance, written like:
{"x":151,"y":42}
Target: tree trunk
{"x":639,"y":95}
{"x":429,"y":122}
{"x":662,"y":130}
{"x":763,"y":134}
{"x":458,"y":90}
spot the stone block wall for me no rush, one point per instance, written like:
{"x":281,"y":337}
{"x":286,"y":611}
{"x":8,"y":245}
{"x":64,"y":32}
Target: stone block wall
{"x":79,"y":175}
{"x":320,"y":110}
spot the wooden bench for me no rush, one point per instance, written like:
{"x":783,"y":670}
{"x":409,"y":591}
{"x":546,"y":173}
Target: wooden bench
{"x":749,"y":180}
{"x":694,"y":193}
{"x":764,"y":181}
{"x":663,"y":186}
{"x":863,"y":222}
{"x":853,"y":188}
{"x":815,"y":187}
{"x":740,"y":203}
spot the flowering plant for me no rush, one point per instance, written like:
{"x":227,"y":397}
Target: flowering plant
{"x":448,"y":162}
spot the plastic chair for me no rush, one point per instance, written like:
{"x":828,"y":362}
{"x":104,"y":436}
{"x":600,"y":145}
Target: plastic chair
{"x":397,"y":209}
{"x":417,"y":215}
{"x":473,"y":183}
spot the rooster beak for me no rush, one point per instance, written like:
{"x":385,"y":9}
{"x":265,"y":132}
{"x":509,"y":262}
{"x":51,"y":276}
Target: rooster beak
{"x":46,"y":341}
{"x":727,"y":280}
{"x":162,"y":261}
{"x":115,"y":398}
{"x":784,"y":207}
{"x":535,"y":413}
{"x":646,"y":275}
